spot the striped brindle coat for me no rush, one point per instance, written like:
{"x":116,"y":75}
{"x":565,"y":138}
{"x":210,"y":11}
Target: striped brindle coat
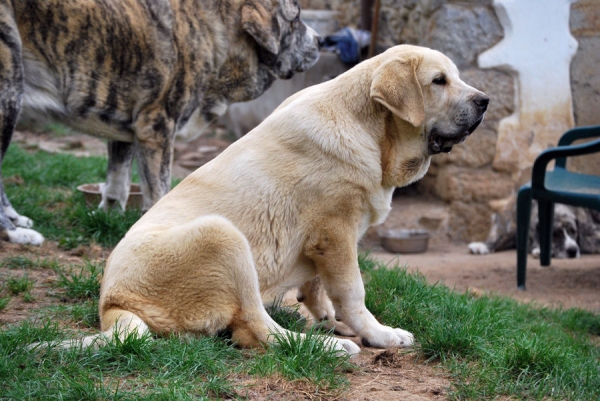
{"x":139,"y":73}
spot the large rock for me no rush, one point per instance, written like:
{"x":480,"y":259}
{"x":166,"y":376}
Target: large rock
{"x":468,"y":221}
{"x":470,"y":185}
{"x":463,"y":31}
{"x":585,"y":80}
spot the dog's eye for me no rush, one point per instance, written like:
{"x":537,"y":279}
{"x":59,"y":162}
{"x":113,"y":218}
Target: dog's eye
{"x":571,"y":231}
{"x":439,"y":80}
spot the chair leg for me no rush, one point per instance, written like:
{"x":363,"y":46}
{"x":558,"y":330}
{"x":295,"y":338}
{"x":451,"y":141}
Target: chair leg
{"x":523,"y":218}
{"x":546,"y":217}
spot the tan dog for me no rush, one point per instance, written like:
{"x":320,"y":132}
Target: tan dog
{"x":286,"y":205}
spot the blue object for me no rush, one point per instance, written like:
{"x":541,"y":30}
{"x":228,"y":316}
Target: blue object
{"x":345,"y":44}
{"x":556,"y":186}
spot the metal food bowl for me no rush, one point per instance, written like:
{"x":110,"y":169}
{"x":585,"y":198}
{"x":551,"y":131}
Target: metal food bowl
{"x":404,"y":241}
{"x":93,"y":195}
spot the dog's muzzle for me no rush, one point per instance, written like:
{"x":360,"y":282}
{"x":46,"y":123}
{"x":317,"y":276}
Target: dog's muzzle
{"x":438,"y":142}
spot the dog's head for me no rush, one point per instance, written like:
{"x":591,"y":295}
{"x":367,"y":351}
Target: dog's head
{"x":286,"y":44}
{"x":422,"y":87}
{"x":564,"y":233}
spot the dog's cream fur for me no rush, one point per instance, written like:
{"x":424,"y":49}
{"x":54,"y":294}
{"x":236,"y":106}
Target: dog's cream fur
{"x":285,"y":206}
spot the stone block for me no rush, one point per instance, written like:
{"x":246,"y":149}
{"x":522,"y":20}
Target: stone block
{"x":468,"y":221}
{"x":462,"y":31}
{"x":469,"y":185}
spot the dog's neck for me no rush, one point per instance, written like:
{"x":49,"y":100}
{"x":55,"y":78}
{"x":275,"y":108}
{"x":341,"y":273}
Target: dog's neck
{"x":403,"y":155}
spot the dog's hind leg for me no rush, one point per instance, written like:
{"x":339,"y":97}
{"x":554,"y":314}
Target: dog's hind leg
{"x":154,"y":154}
{"x":13,"y":226}
{"x":118,"y":178}
{"x":215,"y":261}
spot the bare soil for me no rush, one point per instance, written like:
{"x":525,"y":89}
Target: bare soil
{"x":382,"y":375}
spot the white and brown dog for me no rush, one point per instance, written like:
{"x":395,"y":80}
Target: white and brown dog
{"x":140,"y":73}
{"x":575,"y":231}
{"x":285,"y":206}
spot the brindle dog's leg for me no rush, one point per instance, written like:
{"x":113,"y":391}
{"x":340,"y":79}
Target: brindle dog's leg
{"x":154,"y":155}
{"x":13,"y":226}
{"x":118,"y":178}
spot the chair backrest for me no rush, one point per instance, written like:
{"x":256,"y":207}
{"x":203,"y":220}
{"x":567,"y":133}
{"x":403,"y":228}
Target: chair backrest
{"x":573,"y":135}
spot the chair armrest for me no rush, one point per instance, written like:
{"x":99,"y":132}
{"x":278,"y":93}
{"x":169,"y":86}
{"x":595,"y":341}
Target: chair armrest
{"x":579,"y":133}
{"x":540,"y":165}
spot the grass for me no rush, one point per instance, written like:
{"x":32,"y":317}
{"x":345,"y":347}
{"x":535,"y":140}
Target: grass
{"x":22,"y":262}
{"x":18,"y":285}
{"x":491,"y":347}
{"x":83,"y":284}
{"x":42,"y":186}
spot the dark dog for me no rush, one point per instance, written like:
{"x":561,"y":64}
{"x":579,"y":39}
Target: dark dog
{"x":575,"y":231}
{"x":139,"y":73}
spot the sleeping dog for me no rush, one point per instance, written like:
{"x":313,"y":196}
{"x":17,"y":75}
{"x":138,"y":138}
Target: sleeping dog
{"x":575,"y":231}
{"x":139,"y":73}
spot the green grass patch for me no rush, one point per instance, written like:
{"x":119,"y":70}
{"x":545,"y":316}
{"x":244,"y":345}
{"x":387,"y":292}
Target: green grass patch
{"x":4,"y":302}
{"x":82,"y":284}
{"x":42,"y":186}
{"x":23,"y":262}
{"x":19,"y":285}
{"x":308,"y":358}
{"x":143,"y":367}
{"x":492,"y":346}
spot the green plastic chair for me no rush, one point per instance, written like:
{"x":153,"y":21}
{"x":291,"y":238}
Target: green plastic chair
{"x":556,"y":186}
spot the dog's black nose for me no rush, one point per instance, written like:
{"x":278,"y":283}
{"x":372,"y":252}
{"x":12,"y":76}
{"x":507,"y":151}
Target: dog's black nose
{"x":482,"y":101}
{"x":572,"y":252}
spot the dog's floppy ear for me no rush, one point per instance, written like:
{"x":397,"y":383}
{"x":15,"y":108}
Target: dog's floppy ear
{"x":395,"y":85}
{"x":258,"y":22}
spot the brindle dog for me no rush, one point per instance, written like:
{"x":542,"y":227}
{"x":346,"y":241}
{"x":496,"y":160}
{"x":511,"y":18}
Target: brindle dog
{"x":140,"y":73}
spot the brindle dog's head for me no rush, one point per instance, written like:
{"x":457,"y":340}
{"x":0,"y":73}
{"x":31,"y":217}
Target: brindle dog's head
{"x":286,"y":44}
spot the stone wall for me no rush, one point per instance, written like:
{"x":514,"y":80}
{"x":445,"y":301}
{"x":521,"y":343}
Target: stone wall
{"x":468,"y":179}
{"x":585,"y":73}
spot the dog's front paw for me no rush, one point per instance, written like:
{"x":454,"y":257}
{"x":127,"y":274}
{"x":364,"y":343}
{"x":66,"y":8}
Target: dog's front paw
{"x":25,"y":236}
{"x":478,"y":248}
{"x":23,"y":221}
{"x":387,"y":337}
{"x":535,"y":252}
{"x":17,"y":219}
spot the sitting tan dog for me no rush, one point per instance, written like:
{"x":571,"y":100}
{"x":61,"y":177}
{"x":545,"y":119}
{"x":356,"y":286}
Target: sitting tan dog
{"x":286,"y":205}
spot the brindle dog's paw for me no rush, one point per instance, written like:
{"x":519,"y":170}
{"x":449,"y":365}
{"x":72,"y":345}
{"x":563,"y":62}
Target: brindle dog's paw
{"x":23,"y":221}
{"x":478,"y":248}
{"x":25,"y":236}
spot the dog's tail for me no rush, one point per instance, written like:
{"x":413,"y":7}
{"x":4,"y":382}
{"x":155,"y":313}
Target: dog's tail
{"x":126,"y":325}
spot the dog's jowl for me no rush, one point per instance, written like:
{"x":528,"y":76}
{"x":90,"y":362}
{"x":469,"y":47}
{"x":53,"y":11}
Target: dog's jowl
{"x":140,"y":73}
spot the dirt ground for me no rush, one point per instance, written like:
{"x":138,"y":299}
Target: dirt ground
{"x":389,"y":375}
